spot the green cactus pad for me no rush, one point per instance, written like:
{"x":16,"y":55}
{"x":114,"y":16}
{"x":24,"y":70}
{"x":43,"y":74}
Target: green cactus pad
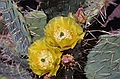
{"x":93,"y":8}
{"x":36,"y":21}
{"x":55,"y":8}
{"x":104,"y":59}
{"x":16,"y":25}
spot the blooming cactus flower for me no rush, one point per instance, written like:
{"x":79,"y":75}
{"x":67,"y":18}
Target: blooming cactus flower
{"x":43,"y":58}
{"x":63,"y":32}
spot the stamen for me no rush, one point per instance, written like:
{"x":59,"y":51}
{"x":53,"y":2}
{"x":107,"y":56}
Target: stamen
{"x":62,"y":33}
{"x":43,"y":60}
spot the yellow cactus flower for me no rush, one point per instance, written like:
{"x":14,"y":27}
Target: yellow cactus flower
{"x":44,"y":58}
{"x":63,"y":32}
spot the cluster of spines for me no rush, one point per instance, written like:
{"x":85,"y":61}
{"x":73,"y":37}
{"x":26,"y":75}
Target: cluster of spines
{"x":16,"y":25}
{"x":103,"y":60}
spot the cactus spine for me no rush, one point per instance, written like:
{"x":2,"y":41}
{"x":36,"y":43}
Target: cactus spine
{"x":15,"y":24}
{"x":36,"y":21}
{"x":104,"y":59}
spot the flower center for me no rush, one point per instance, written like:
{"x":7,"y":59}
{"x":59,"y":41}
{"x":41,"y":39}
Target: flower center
{"x":46,"y":59}
{"x":43,"y":60}
{"x":62,"y":33}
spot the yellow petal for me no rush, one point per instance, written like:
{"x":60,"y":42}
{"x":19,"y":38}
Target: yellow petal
{"x":42,"y":57}
{"x":63,"y":32}
{"x":50,"y":41}
{"x":56,"y":67}
{"x":54,"y":71}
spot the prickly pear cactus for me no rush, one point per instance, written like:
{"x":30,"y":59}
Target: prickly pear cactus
{"x":16,"y":25}
{"x":60,"y":7}
{"x":36,"y":21}
{"x":94,"y":8}
{"x":104,"y":59}
{"x":12,"y":66}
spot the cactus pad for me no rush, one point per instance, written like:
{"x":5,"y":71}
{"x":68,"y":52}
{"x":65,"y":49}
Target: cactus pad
{"x":16,"y":25}
{"x":104,"y":59}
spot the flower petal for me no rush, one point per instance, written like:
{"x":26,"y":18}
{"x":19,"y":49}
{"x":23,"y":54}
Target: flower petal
{"x":43,"y":58}
{"x":63,"y":32}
